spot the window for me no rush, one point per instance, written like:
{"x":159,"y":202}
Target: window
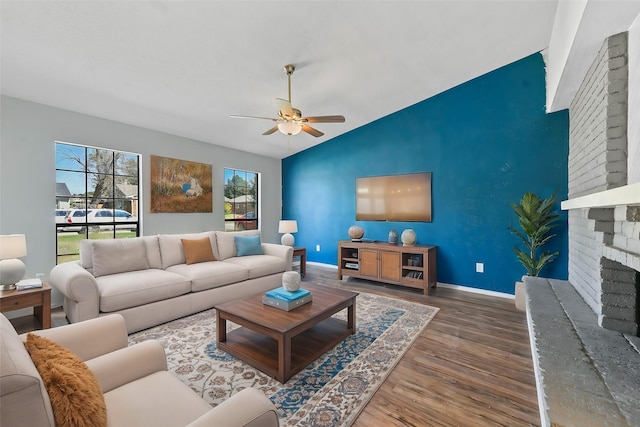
{"x":97,"y":196}
{"x":240,"y":200}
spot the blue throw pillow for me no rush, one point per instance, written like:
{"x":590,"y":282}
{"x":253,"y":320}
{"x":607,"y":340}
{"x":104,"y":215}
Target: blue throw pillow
{"x":248,"y":245}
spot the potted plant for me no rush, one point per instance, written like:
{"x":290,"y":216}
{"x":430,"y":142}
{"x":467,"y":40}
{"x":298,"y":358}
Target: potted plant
{"x":537,"y":218}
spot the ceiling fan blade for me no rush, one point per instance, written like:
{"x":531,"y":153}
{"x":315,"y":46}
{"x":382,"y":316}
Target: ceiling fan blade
{"x":284,"y":107}
{"x":233,"y":116}
{"x":324,"y":119}
{"x":311,"y":131}
{"x":270,"y":131}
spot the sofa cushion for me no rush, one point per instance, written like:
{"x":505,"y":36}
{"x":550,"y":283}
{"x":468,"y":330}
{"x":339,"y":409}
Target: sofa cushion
{"x":118,"y":256}
{"x":226,"y":243}
{"x":150,"y":242}
{"x":75,"y":394}
{"x":171,"y":250}
{"x":259,"y":265}
{"x":153,"y":251}
{"x":134,"y":288}
{"x":197,"y":250}
{"x":159,"y":399}
{"x":209,"y":275}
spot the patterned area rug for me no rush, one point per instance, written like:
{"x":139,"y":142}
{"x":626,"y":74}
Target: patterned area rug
{"x":331,"y":391}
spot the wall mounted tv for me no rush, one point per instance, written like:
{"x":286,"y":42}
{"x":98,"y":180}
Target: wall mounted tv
{"x":404,"y":197}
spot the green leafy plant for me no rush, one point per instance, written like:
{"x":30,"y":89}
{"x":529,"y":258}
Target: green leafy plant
{"x":537,"y":218}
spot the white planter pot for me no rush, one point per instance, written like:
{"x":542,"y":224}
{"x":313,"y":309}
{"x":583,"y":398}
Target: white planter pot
{"x":521,"y":294}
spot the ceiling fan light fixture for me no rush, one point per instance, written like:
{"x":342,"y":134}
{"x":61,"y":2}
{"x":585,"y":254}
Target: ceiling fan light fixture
{"x":290,"y":128}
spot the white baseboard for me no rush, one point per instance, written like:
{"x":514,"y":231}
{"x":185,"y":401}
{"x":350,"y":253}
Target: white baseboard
{"x":319,"y":264}
{"x":444,"y":285}
{"x":477,"y":290}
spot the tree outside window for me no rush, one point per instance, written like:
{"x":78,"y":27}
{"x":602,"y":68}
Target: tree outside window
{"x":97,"y":196}
{"x":240,"y":200}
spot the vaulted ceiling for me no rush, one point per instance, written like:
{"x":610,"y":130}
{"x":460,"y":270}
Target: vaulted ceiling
{"x":183,"y":67}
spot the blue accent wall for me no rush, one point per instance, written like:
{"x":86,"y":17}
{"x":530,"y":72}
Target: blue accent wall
{"x":486,"y":142}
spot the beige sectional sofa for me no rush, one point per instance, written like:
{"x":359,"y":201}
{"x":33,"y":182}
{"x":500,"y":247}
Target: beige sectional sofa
{"x":133,"y":382}
{"x":148,"y":281}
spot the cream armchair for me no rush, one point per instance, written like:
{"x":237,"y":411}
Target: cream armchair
{"x":138,"y":389}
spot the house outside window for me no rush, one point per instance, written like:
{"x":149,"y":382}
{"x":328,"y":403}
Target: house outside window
{"x":97,"y":196}
{"x":241,"y":200}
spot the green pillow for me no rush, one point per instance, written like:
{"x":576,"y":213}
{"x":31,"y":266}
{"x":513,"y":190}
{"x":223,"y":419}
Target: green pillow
{"x":248,"y":245}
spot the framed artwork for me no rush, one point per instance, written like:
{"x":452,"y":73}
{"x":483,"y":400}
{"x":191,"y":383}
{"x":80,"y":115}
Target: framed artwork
{"x":180,"y":186}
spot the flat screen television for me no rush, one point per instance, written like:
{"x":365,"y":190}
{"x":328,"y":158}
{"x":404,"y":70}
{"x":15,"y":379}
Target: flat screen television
{"x":404,"y":197}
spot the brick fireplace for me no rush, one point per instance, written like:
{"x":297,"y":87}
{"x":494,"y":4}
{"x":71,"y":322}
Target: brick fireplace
{"x":604,"y":209}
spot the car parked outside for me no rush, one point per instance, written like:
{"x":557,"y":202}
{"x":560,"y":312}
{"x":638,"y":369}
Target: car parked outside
{"x":111,"y":216}
{"x":80,"y":217}
{"x":75,"y":216}
{"x":60,"y":215}
{"x":246,"y":222}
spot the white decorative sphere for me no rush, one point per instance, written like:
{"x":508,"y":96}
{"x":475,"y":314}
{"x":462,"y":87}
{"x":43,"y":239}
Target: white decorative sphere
{"x":356,"y":232}
{"x":408,"y":237}
{"x":291,"y":281}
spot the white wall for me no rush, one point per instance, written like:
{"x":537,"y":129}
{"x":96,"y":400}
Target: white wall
{"x":27,"y":175}
{"x":579,"y":28}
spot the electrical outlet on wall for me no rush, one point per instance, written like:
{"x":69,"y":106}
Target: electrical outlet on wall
{"x":317,"y":248}
{"x":479,"y":267}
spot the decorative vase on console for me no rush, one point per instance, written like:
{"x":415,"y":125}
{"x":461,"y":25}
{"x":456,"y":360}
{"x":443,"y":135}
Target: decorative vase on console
{"x":408,"y":237}
{"x":393,"y":237}
{"x":356,"y":232}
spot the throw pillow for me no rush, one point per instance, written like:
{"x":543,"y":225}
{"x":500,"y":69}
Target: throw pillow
{"x":248,"y":245}
{"x":75,"y":394}
{"x":197,"y":250}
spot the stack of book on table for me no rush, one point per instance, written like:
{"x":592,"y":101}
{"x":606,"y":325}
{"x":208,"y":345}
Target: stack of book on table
{"x":25,"y":284}
{"x":286,"y":300}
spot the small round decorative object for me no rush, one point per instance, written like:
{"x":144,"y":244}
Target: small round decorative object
{"x":356,"y":232}
{"x":291,"y":281}
{"x":393,"y":237}
{"x":408,"y":237}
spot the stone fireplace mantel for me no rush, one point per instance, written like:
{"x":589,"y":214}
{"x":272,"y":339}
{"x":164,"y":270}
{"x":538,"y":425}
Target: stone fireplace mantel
{"x":625,"y":195}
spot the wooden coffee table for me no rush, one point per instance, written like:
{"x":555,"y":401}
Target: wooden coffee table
{"x":281,"y":343}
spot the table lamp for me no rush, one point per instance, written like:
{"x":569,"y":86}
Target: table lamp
{"x":288,"y":226}
{"x":12,"y":247}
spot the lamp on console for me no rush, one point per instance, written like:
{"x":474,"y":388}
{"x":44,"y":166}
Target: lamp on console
{"x":288,"y":226}
{"x":12,"y":247}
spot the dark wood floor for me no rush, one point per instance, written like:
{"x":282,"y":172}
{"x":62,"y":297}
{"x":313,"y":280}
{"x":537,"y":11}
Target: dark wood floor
{"x":470,"y":367}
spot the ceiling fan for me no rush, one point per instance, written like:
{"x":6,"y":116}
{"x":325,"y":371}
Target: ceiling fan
{"x":290,"y":120}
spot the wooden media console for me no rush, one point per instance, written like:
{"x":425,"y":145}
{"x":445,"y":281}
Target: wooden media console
{"x":412,"y":266}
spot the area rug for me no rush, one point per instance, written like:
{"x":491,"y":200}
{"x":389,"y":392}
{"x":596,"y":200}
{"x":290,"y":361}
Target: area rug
{"x":331,"y":391}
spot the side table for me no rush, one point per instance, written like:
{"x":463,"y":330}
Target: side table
{"x":302,"y":253}
{"x":38,"y":298}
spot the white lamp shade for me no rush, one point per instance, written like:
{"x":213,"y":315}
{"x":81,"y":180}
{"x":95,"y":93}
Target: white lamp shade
{"x":12,"y":270}
{"x":288,"y":226}
{"x":290,"y":128}
{"x":13,"y":246}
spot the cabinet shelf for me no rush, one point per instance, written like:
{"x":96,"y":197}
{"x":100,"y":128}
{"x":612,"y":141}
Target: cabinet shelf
{"x":412,"y":266}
